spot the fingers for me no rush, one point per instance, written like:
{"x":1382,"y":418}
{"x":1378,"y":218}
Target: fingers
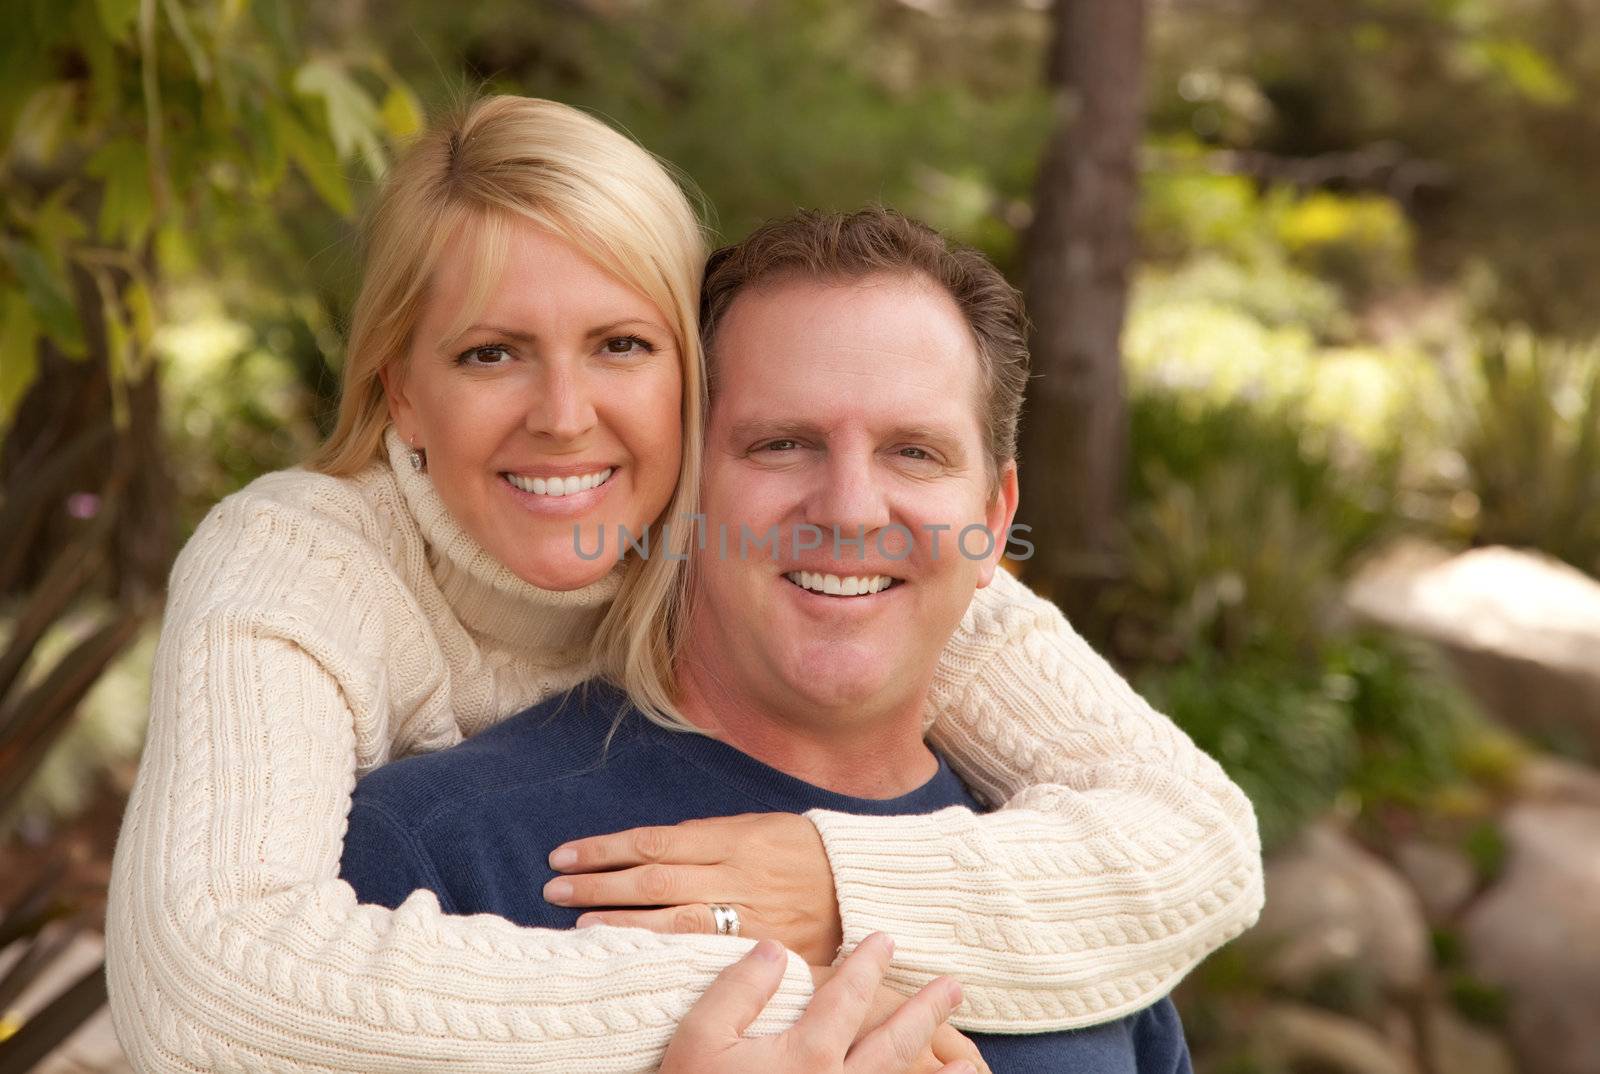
{"x":693,"y":842}
{"x":839,"y":1007}
{"x":673,"y":920}
{"x":896,"y":1043}
{"x":645,"y":885}
{"x":951,"y":1045}
{"x":737,"y":996}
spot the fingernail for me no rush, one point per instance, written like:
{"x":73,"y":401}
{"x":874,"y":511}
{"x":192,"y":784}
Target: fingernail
{"x":884,"y":939}
{"x":953,"y":990}
{"x":768,"y":951}
{"x":562,"y":857}
{"x":585,"y":920}
{"x":558,"y":891}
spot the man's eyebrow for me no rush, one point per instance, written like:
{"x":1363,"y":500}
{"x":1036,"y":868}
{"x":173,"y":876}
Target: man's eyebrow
{"x":942,"y":440}
{"x":753,"y":429}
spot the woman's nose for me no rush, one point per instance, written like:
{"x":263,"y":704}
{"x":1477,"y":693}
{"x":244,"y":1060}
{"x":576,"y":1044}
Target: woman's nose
{"x":562,"y":407}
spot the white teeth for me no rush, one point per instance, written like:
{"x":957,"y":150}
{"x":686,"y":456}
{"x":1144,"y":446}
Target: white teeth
{"x":834,"y":585}
{"x":559,"y":486}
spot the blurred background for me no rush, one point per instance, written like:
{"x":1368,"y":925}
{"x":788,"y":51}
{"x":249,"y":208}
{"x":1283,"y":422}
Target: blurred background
{"x":1313,"y":451}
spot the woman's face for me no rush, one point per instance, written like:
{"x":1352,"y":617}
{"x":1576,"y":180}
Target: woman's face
{"x":557,"y":408}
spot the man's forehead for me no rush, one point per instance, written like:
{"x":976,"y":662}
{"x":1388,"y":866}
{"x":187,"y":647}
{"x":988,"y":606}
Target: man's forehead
{"x":827,"y":346}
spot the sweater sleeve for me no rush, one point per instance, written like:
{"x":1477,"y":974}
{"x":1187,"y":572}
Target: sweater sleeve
{"x":1121,"y":856}
{"x":232,"y":945}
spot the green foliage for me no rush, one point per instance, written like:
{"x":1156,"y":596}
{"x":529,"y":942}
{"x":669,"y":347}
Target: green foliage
{"x":1410,"y":720}
{"x":1529,"y":436}
{"x":1478,"y":1000}
{"x":1282,"y":733}
{"x":1485,"y":846}
{"x":1362,"y":242}
{"x":1366,"y":717}
{"x":1357,"y":244}
{"x":137,"y":138}
{"x":1242,"y":520}
{"x":786,"y":103}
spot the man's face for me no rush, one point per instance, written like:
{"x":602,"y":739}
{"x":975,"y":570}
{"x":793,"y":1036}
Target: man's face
{"x":849,"y":406}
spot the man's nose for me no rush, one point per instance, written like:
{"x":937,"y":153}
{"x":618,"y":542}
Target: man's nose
{"x":849,"y":497}
{"x":562,"y":405}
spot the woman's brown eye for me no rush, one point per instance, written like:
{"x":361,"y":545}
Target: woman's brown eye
{"x":628,"y":345}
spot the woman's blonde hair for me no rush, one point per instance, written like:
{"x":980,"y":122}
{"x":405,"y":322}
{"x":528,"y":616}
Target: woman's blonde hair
{"x":471,"y":174}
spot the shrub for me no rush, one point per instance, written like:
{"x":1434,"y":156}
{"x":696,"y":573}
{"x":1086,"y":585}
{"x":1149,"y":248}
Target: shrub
{"x":1529,"y":436}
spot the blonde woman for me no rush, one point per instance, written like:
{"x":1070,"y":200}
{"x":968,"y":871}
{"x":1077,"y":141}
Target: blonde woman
{"x":523,"y":359}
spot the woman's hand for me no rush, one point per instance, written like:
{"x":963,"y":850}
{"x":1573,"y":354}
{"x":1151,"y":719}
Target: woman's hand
{"x":770,"y":867}
{"x":709,"y":1040}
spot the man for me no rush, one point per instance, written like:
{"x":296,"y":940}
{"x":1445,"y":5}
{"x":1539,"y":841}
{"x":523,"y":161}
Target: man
{"x":866,"y":384}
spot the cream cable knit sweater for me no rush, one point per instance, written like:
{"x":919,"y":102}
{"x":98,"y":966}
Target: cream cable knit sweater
{"x":317,"y":627}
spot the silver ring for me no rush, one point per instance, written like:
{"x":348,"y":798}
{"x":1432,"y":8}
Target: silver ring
{"x":727,"y":919}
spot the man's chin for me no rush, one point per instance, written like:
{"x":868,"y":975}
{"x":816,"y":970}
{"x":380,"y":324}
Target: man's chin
{"x":834,"y":677}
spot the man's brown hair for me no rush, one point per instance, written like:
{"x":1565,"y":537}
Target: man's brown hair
{"x":867,"y":242}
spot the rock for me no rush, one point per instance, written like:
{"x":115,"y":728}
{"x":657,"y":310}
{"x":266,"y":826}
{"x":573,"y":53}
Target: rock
{"x":1459,"y":1047}
{"x":1441,"y":876}
{"x":1289,"y":1036}
{"x":1333,"y":908}
{"x":1536,"y":935}
{"x":1523,"y":629}
{"x":1551,"y":779}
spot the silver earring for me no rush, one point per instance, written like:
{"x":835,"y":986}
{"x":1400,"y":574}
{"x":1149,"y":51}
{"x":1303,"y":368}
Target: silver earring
{"x":418,"y":461}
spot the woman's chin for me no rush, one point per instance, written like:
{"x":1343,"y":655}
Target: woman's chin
{"x":564,"y":574}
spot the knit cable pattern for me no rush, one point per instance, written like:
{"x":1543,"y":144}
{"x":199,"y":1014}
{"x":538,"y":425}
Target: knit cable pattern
{"x":313,"y":631}
{"x":1122,"y":854}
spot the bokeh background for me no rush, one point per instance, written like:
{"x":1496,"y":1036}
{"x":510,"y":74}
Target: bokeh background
{"x":1313,"y":451}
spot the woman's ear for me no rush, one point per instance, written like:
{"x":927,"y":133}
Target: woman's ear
{"x":392,"y":375}
{"x":999,"y":515}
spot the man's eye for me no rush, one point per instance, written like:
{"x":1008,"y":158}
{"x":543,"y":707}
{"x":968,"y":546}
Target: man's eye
{"x":780,"y":445}
{"x":915,"y":453}
{"x":628,"y":345}
{"x":494,"y":354}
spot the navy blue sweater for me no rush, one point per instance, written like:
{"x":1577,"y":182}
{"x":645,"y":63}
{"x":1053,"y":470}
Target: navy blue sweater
{"x":475,"y":824}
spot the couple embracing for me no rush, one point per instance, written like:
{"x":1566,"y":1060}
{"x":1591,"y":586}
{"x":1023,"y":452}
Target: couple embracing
{"x":430,"y":786}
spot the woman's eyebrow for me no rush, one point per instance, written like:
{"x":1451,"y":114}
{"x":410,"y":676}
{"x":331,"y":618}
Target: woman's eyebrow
{"x":625,"y":323}
{"x":492,"y":330}
{"x":520,"y":336}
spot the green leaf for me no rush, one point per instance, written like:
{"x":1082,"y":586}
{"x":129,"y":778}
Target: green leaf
{"x":126,"y":209}
{"x":19,"y":352}
{"x":1531,"y":74}
{"x":117,"y":17}
{"x":58,"y":227}
{"x":43,"y":122}
{"x":402,"y":115}
{"x":48,"y":296}
{"x":185,"y":35}
{"x":99,"y":48}
{"x":353,"y":120}
{"x":314,"y":157}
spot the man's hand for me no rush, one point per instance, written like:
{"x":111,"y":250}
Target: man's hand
{"x":949,"y":1044}
{"x":770,"y":867}
{"x":827,"y":1039}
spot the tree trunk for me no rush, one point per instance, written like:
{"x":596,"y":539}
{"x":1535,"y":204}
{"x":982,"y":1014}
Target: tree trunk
{"x":1080,"y":253}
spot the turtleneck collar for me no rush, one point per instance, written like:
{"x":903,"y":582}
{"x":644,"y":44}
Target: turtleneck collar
{"x":488,"y":599}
